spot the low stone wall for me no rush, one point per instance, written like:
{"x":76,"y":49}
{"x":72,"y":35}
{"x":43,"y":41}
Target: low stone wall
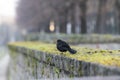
{"x":29,"y":64}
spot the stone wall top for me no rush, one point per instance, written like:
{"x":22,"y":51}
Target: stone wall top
{"x":102,"y":57}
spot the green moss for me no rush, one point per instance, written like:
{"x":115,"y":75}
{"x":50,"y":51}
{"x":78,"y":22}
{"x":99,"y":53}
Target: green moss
{"x":71,"y":75}
{"x":105,"y":57}
{"x":48,"y":76}
{"x":72,"y":68}
{"x":80,"y":70}
{"x":57,"y":71}
{"x":42,"y":71}
{"x":48,"y":59}
{"x":33,"y":66}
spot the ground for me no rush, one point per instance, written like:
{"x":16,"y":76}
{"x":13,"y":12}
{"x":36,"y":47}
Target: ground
{"x":4,"y":60}
{"x":3,"y":67}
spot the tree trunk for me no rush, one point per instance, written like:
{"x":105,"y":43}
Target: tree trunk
{"x":117,"y":5}
{"x":83,"y":7}
{"x":77,"y":19}
{"x":63,"y":20}
{"x":100,"y":22}
{"x":72,"y":18}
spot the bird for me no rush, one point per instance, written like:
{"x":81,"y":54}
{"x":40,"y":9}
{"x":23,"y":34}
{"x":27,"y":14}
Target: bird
{"x":62,"y":46}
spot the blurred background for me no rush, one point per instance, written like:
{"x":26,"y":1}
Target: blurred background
{"x":22,"y":17}
{"x":23,"y":20}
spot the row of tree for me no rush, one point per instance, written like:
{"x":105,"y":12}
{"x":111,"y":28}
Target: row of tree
{"x":35,"y":15}
{"x":118,"y":15}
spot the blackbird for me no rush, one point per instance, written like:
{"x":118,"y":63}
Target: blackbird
{"x":62,"y":46}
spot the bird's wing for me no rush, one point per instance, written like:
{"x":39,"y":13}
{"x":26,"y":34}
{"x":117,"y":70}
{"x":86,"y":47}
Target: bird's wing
{"x":64,"y":44}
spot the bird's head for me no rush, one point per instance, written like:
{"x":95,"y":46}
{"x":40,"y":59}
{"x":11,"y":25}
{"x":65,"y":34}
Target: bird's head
{"x":59,"y":40}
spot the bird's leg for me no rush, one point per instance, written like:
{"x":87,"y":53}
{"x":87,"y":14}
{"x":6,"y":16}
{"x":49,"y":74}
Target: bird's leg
{"x":62,"y":53}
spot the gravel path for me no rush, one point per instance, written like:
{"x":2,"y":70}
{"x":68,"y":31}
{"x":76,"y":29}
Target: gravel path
{"x":4,"y":60}
{"x":90,"y":78}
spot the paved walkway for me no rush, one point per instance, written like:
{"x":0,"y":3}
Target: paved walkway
{"x":90,"y":78}
{"x":3,"y":67}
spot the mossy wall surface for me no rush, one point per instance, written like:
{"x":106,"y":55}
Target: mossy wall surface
{"x":36,"y":60}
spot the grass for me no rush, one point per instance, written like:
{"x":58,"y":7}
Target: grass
{"x":105,"y":57}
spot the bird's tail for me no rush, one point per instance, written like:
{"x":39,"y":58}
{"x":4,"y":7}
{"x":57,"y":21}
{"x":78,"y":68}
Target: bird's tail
{"x":72,"y":51}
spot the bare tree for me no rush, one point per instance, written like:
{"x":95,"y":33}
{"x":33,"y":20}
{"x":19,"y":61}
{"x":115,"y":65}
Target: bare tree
{"x":62,"y":13}
{"x":37,"y":14}
{"x":100,"y":22}
{"x":33,"y":14}
{"x":117,"y":5}
{"x":83,"y":8}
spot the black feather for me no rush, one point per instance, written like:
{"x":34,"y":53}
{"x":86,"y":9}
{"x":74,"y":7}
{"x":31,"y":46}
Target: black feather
{"x":62,"y":46}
